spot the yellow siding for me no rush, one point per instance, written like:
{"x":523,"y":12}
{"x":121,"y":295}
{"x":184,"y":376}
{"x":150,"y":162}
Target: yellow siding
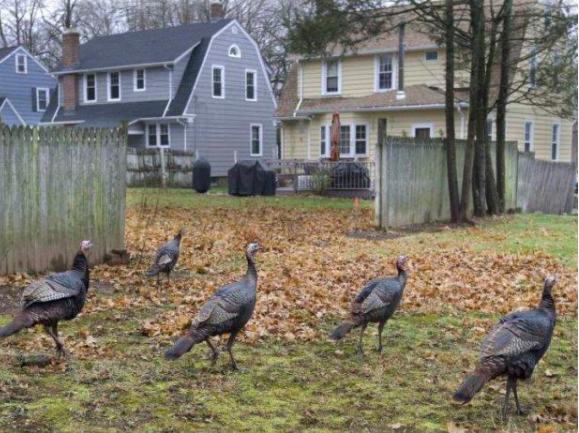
{"x":417,"y":70}
{"x":518,"y":114}
{"x":294,"y":139}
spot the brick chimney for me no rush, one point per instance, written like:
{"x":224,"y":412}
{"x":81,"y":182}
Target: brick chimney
{"x":217,"y":12}
{"x":70,"y":58}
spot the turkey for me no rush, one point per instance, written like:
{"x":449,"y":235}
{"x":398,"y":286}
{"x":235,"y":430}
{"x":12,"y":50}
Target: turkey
{"x":513,"y":348}
{"x":58,"y":297}
{"x":166,"y":257}
{"x":375,"y":303}
{"x":227,"y":311}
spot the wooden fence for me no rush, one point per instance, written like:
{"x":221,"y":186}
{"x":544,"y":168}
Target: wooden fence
{"x":411,"y":180}
{"x":545,"y":186}
{"x":59,"y":186}
{"x":158,"y":167}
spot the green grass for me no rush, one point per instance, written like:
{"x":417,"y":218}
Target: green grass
{"x":305,"y":387}
{"x":187,"y":198}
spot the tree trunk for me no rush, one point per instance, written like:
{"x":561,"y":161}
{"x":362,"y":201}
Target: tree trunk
{"x":502,"y":102}
{"x":449,"y":114}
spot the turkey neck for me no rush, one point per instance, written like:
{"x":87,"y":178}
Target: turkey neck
{"x":402,"y":275}
{"x":251,"y":271}
{"x":547,"y":301}
{"x":80,"y":264}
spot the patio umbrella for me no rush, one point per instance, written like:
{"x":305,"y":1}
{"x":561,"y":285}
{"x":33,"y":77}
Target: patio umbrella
{"x":335,"y":137}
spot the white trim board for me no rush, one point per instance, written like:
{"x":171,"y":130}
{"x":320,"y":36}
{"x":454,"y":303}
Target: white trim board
{"x":29,"y":55}
{"x":7,"y":101}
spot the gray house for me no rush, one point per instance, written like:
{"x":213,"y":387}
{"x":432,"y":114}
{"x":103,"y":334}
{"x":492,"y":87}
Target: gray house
{"x":25,"y":87}
{"x":197,"y":87}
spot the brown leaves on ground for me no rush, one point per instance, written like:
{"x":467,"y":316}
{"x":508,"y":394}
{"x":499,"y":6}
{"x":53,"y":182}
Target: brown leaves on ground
{"x":309,"y":270}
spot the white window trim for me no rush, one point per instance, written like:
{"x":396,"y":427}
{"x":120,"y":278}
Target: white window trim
{"x":135,"y":88}
{"x":352,"y":144}
{"x":254,"y":85}
{"x":85,"y":90}
{"x":558,"y":155}
{"x":531,"y":135}
{"x":260,"y":139}
{"x":158,"y":135}
{"x":327,"y":137}
{"x":238,"y":56}
{"x":109,"y":99}
{"x":431,"y":60}
{"x":222,"y":68}
{"x":21,"y":56}
{"x":325,"y":75}
{"x":377,"y":72}
{"x":416,"y":126}
{"x":42,"y":89}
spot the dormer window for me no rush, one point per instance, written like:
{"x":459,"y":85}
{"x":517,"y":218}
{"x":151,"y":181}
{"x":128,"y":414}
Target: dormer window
{"x":331,"y":80}
{"x":234,"y":51}
{"x":21,"y":64}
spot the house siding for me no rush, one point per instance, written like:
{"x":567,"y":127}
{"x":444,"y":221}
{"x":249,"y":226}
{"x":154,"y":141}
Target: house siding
{"x":222,"y":126}
{"x":8,"y":116}
{"x":18,"y":88}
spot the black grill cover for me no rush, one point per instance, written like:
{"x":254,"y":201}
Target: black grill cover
{"x":270,"y":183}
{"x":350,"y":175}
{"x":246,"y":178}
{"x":201,"y":175}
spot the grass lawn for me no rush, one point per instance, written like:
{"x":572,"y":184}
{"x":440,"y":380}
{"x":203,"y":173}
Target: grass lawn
{"x":294,"y":380}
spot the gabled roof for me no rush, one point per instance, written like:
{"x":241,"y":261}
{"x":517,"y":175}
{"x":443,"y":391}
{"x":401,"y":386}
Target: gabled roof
{"x":5,"y":102}
{"x":147,"y":47}
{"x":105,"y":115}
{"x":5,"y":52}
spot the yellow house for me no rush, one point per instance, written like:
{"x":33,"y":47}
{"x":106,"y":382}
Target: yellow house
{"x":366,"y":89}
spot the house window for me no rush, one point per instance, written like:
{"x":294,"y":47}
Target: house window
{"x":528,"y":136}
{"x":90,"y":88}
{"x":324,"y":132}
{"x":114,"y":86}
{"x":42,"y":99}
{"x":385,"y":81}
{"x":256,"y":139}
{"x":331,"y":77}
{"x":361,"y":139}
{"x":158,"y":135}
{"x":431,"y":55}
{"x":489,"y":130}
{"x":555,"y":142}
{"x":250,"y":86}
{"x":21,"y":64}
{"x":139,"y":80}
{"x":422,"y":131}
{"x":345,"y":140}
{"x":533,"y":68}
{"x":217,"y":82}
{"x":234,"y":51}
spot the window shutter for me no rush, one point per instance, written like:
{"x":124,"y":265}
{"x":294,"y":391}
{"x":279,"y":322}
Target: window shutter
{"x":34,"y":99}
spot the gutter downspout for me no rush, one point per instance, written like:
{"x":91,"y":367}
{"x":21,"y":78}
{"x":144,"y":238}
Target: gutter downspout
{"x":170,"y":69}
{"x":301,"y":78}
{"x":462,"y":121}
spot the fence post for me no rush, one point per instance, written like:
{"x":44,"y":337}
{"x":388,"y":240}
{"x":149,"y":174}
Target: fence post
{"x":163,"y":168}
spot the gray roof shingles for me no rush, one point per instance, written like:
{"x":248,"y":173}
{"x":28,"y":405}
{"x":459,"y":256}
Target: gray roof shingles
{"x":143,"y":47}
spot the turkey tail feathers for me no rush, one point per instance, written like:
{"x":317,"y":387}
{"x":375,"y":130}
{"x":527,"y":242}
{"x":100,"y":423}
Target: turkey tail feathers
{"x":185,"y":343}
{"x":19,"y":322}
{"x":153,"y":270}
{"x":472,"y":384}
{"x":341,"y":331}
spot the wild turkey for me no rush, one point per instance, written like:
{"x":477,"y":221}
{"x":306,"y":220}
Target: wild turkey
{"x":227,"y":311}
{"x":166,"y":257}
{"x":513,"y":348}
{"x":375,"y":303}
{"x":58,"y":297}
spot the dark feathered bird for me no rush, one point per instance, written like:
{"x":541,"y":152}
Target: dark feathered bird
{"x":375,"y":303}
{"x":166,"y":257}
{"x":513,"y":348}
{"x":226,"y":312}
{"x":58,"y":297}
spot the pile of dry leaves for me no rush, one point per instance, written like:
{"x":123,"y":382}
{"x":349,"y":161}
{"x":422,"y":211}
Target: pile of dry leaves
{"x":309,"y":269}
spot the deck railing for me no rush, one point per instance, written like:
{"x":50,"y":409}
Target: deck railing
{"x":324,"y":175}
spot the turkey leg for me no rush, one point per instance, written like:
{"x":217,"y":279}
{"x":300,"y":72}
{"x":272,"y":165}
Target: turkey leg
{"x":507,"y":395}
{"x":52,"y":330}
{"x":228,"y":347}
{"x":215,"y":352}
{"x":380,"y":329}
{"x":520,"y":411}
